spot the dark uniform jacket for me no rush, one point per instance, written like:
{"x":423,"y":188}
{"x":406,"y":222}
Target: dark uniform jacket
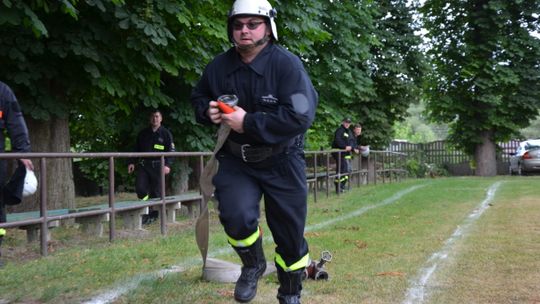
{"x":274,"y":90}
{"x":342,"y":138}
{"x":150,"y":141}
{"x":11,"y":118}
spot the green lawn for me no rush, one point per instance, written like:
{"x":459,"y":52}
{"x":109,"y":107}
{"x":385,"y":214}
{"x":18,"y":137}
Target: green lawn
{"x":382,"y":238}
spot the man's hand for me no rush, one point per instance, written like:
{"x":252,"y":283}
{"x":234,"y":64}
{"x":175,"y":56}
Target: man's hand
{"x":348,"y":148}
{"x":166,"y":170}
{"x":235,"y":120}
{"x":131,"y":168}
{"x":27,"y":163}
{"x":213,"y":112}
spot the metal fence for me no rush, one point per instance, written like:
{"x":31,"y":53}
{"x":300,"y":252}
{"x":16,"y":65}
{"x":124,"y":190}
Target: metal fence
{"x":379,"y":166}
{"x":457,"y":162}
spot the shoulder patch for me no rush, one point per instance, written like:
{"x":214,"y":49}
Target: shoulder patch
{"x":269,"y":99}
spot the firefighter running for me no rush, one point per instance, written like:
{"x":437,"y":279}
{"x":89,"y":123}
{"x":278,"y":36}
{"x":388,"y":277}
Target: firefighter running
{"x":263,"y":155}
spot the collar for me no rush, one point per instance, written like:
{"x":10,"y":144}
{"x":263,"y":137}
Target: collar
{"x":257,"y":65}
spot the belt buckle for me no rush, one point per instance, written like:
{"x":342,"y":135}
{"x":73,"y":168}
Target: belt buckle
{"x":243,"y":151}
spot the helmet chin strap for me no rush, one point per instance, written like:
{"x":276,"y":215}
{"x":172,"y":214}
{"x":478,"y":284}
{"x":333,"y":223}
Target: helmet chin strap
{"x":257,"y":43}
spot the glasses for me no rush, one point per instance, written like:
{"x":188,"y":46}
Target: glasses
{"x":252,"y":25}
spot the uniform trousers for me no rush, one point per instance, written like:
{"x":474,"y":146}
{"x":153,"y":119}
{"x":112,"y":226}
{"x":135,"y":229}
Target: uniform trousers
{"x":281,"y":181}
{"x":148,"y":179}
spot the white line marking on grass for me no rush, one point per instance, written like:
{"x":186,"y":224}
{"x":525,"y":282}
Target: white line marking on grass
{"x":132,"y":283}
{"x":362,"y":210}
{"x":112,"y":295}
{"x":417,"y":292}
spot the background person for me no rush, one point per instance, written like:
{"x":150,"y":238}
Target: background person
{"x":357,"y":148}
{"x":263,"y":155}
{"x":343,"y":140}
{"x":154,"y":138}
{"x":12,"y":120}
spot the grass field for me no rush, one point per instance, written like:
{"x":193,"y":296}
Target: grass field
{"x":444,"y":240}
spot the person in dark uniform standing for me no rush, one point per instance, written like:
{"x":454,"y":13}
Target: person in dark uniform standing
{"x":263,"y":156}
{"x":154,"y":138}
{"x":12,"y":120}
{"x":343,"y":138}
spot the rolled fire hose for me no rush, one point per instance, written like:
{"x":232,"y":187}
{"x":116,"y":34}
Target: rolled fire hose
{"x":213,"y":269}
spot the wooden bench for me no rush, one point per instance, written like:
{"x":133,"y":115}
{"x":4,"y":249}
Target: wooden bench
{"x":32,"y":230}
{"x":91,"y":218}
{"x":319,"y":178}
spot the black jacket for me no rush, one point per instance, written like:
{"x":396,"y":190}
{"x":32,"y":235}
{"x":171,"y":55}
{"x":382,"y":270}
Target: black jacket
{"x":159,"y":141}
{"x":11,"y":118}
{"x":342,"y":138}
{"x":274,"y":90}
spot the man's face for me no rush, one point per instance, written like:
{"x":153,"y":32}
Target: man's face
{"x":248,"y":30}
{"x":346,"y":125}
{"x":357,"y":131}
{"x":155,"y":119}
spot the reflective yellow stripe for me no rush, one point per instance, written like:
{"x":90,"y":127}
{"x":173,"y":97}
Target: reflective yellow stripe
{"x":159,"y":147}
{"x":2,"y":231}
{"x":348,"y":157}
{"x":342,"y":179}
{"x":302,"y":263}
{"x":250,"y":240}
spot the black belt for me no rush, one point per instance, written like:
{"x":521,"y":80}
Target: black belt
{"x":253,"y":153}
{"x":150,"y":162}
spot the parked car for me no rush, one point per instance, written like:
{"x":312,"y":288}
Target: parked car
{"x":526,"y":159}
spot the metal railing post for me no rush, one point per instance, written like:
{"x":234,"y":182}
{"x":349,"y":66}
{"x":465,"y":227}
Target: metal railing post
{"x":112,"y":213}
{"x":43,"y":206}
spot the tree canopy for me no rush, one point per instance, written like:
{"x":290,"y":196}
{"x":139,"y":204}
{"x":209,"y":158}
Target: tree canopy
{"x":486,"y":71}
{"x":101,"y":65}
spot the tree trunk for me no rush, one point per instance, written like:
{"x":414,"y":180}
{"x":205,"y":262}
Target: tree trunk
{"x":51,"y":136}
{"x":485,"y":156}
{"x":180,"y":177}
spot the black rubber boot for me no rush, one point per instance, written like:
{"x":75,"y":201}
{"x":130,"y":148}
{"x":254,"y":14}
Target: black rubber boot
{"x":343,"y":186}
{"x":290,"y":285}
{"x":254,"y":265}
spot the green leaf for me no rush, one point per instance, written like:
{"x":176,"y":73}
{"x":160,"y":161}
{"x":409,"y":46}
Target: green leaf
{"x":124,"y":24}
{"x":37,"y":26}
{"x":70,"y":9}
{"x":92,"y":69}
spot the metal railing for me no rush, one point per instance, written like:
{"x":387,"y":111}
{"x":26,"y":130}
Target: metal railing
{"x":383,"y":166}
{"x":44,"y":218}
{"x":378,"y":166}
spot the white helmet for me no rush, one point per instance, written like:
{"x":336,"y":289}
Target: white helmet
{"x":365,"y":151}
{"x":254,"y":8}
{"x":30,"y":183}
